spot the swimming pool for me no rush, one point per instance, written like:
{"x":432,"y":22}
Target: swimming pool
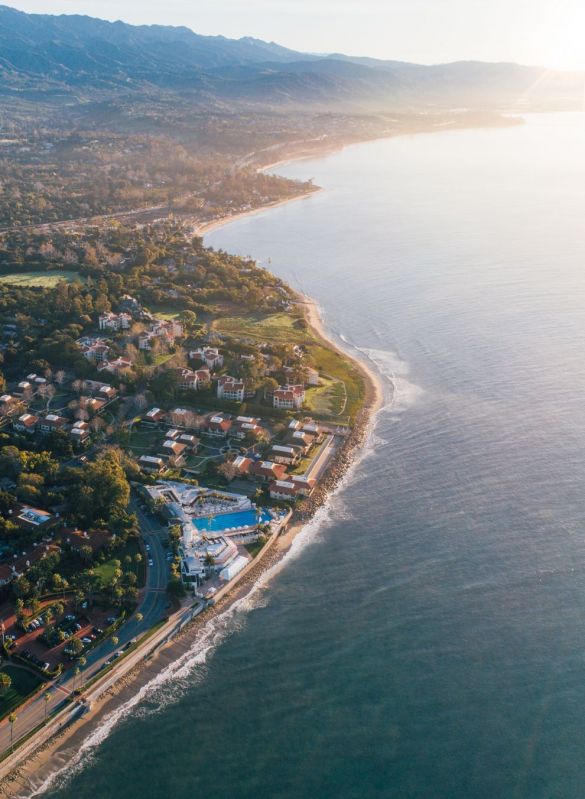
{"x":242,"y":518}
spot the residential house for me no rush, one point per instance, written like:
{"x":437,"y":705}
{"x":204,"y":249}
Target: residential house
{"x":51,"y":422}
{"x":247,"y":426}
{"x":289,"y":397}
{"x":94,"y":349}
{"x":229,"y":388}
{"x":289,"y":456}
{"x":218,"y":426}
{"x":9,"y":405}
{"x":92,"y":405}
{"x":80,"y":432}
{"x":267,"y":471}
{"x":25,"y":388}
{"x":33,"y":518}
{"x":173,"y":452}
{"x":304,"y":440}
{"x":151,"y":464}
{"x":188,"y":380}
{"x":154,"y":417}
{"x":242,"y":465}
{"x":210,"y":356}
{"x":190,"y":442}
{"x":27,"y":423}
{"x":292,"y":489}
{"x":118,"y":366}
{"x":99,"y":389}
{"x":114,"y":321}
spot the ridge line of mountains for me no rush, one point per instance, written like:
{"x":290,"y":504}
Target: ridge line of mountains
{"x":71,"y":58}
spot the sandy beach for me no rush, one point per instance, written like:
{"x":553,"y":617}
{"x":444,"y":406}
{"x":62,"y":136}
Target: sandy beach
{"x":73,"y":744}
{"x":214,"y":224}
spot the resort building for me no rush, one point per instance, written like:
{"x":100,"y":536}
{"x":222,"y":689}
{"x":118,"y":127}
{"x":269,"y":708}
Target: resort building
{"x":80,"y":432}
{"x":114,"y":321}
{"x":188,"y":380}
{"x":27,"y":423}
{"x":303,"y":440}
{"x":242,"y":465}
{"x":10,"y":406}
{"x":247,"y":426}
{"x":289,"y":456}
{"x":211,"y":522}
{"x":218,"y":426}
{"x":173,"y":452}
{"x":118,"y":366}
{"x":266,"y":471}
{"x":210,"y":356}
{"x":154,"y":417}
{"x":289,"y":397}
{"x":151,"y":464}
{"x":229,"y":388}
{"x":51,"y":422}
{"x":292,"y":489}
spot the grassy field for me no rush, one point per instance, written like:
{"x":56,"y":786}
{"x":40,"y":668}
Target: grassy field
{"x":334,"y":366}
{"x":45,"y":280}
{"x":106,"y":570}
{"x":165,"y":312}
{"x":328,"y":398}
{"x":275,"y":327}
{"x":145,"y":442}
{"x":23,"y":684}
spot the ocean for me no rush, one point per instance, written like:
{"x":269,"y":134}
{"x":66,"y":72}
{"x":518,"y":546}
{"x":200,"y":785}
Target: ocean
{"x":426,"y":636}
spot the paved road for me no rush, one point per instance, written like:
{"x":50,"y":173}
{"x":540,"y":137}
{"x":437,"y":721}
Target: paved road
{"x":153,"y":607}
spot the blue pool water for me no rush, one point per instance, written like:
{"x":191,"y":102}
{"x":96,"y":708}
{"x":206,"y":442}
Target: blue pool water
{"x":242,"y":518}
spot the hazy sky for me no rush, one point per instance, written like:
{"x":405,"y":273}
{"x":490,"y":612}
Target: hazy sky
{"x":549,"y":32}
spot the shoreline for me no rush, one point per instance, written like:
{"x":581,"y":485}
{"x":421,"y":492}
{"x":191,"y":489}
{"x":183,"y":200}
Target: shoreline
{"x":209,"y":227}
{"x":60,"y":750}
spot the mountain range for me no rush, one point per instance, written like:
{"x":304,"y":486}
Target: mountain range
{"x":75,"y":58}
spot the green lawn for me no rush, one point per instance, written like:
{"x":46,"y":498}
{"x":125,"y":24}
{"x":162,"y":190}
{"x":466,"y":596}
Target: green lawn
{"x":23,"y":684}
{"x":274,"y":327}
{"x":106,"y":570}
{"x":328,"y":398}
{"x":336,"y":367}
{"x":46,"y":280}
{"x":145,"y":442}
{"x":165,"y":312}
{"x":254,"y":549}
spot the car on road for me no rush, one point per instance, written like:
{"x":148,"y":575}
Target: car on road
{"x":150,"y":562}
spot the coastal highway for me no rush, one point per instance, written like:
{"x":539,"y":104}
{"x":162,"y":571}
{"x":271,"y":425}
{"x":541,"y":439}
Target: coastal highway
{"x":153,"y":606}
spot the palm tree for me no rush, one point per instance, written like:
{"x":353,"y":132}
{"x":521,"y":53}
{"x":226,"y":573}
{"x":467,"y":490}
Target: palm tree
{"x":12,"y":720}
{"x":139,"y":617}
{"x":5,"y":682}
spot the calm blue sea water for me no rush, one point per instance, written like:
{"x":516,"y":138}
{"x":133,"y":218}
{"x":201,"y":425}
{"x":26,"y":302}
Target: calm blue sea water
{"x":427,"y":639}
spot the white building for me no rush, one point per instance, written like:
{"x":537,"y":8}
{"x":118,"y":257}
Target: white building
{"x":229,"y":388}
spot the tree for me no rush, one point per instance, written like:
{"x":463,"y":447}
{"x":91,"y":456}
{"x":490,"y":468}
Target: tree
{"x":20,"y":613}
{"x":188,"y":319}
{"x":5,"y":682}
{"x":228,"y":471}
{"x":102,"y":492}
{"x":86,"y":553}
{"x":12,"y":721}
{"x":75,"y":647}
